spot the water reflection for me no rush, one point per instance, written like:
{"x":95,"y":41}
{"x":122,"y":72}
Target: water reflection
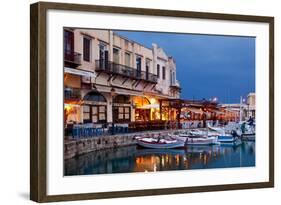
{"x":135,"y":159}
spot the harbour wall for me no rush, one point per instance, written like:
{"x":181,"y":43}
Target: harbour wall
{"x":77,"y":147}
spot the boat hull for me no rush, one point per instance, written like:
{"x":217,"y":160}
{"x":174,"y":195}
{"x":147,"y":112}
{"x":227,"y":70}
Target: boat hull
{"x":189,"y":140}
{"x":226,"y":138}
{"x":150,"y":145}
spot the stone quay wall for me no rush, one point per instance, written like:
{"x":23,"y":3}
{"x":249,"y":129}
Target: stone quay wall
{"x":77,"y":147}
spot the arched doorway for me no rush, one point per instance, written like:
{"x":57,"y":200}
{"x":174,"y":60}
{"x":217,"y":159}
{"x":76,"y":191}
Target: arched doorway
{"x":94,"y":108}
{"x":121,"y":109}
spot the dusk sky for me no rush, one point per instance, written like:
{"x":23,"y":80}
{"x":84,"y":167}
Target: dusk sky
{"x":208,"y":66}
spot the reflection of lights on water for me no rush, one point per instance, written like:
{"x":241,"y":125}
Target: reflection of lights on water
{"x":154,"y":167}
{"x":162,"y":162}
{"x":205,"y":159}
{"x":177,"y":159}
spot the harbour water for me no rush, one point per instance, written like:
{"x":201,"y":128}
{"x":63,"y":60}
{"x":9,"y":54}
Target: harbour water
{"x":135,"y":159}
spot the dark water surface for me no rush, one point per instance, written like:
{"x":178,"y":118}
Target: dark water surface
{"x":135,"y":159}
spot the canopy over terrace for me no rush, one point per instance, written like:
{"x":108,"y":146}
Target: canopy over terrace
{"x":173,"y":109}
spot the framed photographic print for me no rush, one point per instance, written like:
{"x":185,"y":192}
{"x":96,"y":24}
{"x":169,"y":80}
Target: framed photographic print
{"x":134,"y":102}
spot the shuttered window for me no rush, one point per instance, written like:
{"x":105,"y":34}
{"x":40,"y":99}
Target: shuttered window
{"x":86,"y":49}
{"x":158,"y":70}
{"x":163,"y":72}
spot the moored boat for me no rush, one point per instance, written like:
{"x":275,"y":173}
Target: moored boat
{"x":160,"y":143}
{"x":197,"y":139}
{"x":226,"y":138}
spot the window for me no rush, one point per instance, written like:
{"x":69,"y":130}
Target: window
{"x":86,"y":49}
{"x":171,"y":78}
{"x":103,"y":56}
{"x":147,"y":65}
{"x":115,"y":55}
{"x":102,"y":113}
{"x":95,"y":97}
{"x":121,"y":114}
{"x":94,"y":113}
{"x":158,"y":70}
{"x":68,"y":41}
{"x":68,"y":46}
{"x":163,"y":72}
{"x":86,"y":113}
{"x":127,"y":59}
{"x":138,"y":63}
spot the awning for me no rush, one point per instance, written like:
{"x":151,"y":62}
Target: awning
{"x":79,"y":72}
{"x":149,"y":106}
{"x":195,"y":110}
{"x":217,"y":112}
{"x":77,"y":102}
{"x":117,"y":91}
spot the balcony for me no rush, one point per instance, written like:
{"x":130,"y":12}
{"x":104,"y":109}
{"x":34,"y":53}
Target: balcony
{"x":125,"y":71}
{"x":72,"y":59}
{"x":175,"y":85}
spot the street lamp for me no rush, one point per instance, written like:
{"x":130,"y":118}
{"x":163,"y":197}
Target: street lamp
{"x":215,"y":99}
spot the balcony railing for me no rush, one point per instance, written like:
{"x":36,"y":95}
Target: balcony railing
{"x":115,"y":68}
{"x":176,"y":84}
{"x":72,"y":58}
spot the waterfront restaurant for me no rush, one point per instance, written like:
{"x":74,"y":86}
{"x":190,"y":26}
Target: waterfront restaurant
{"x":116,"y":85}
{"x":111,"y":81}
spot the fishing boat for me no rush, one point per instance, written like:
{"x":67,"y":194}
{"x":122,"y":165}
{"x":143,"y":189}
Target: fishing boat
{"x":160,"y":143}
{"x":197,"y":139}
{"x":226,"y":138}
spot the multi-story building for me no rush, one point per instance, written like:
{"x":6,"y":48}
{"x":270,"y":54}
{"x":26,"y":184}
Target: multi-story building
{"x":244,"y":110}
{"x":109,"y":78}
{"x":251,"y":105}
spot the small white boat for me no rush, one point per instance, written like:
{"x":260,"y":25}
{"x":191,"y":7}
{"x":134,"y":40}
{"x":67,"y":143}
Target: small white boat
{"x":226,"y":138}
{"x":197,"y":139}
{"x":219,"y":131}
{"x":160,"y":143}
{"x":196,"y":132}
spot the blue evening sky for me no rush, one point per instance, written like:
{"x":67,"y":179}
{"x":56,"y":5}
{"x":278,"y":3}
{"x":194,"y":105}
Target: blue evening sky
{"x":207,"y":65}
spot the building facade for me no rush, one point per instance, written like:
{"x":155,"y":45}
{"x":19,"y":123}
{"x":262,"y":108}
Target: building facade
{"x":244,"y":110}
{"x":251,"y":105}
{"x":111,"y":79}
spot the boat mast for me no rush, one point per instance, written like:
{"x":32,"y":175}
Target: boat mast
{"x":240,"y":109}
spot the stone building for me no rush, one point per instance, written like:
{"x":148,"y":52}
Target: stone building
{"x":251,"y":105}
{"x":109,"y":78}
{"x":244,"y":110}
